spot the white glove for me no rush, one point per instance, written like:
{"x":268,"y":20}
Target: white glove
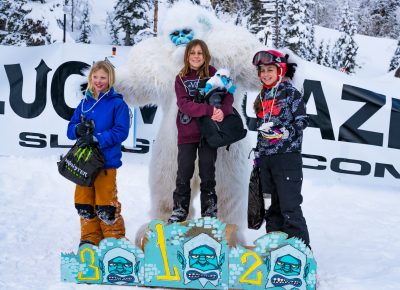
{"x":266,"y":126}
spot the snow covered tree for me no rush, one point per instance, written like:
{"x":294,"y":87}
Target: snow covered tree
{"x":255,"y":16}
{"x":13,"y":13}
{"x":4,"y":9}
{"x":327,"y":60}
{"x":384,"y":18}
{"x":86,"y":28}
{"x":280,"y":22}
{"x":111,"y":27}
{"x":345,"y":49}
{"x":131,"y":17}
{"x":234,"y":11}
{"x":326,"y":13}
{"x":395,"y":62}
{"x":74,"y":12}
{"x":35,"y":31}
{"x":311,"y":51}
{"x":364,"y":17}
{"x":298,"y":29}
{"x":321,"y":52}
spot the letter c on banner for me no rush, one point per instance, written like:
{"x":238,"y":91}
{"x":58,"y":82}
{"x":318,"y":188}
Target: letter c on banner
{"x":58,"y":85}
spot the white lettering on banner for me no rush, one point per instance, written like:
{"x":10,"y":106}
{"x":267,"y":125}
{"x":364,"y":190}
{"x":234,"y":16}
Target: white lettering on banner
{"x":353,"y":122}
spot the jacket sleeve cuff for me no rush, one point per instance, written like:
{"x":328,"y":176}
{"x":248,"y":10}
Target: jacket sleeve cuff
{"x":210,"y":110}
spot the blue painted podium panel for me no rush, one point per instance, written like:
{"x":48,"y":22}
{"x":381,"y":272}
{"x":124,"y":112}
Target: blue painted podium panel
{"x":194,"y":255}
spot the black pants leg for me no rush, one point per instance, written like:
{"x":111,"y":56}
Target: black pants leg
{"x":274,"y":218}
{"x":283,"y":174}
{"x":181,"y":196}
{"x":208,"y":197}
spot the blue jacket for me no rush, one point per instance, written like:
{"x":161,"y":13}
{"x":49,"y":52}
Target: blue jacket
{"x":111,"y":116}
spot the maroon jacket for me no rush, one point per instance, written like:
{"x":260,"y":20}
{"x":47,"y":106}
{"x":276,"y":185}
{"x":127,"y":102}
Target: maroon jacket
{"x":189,"y":111}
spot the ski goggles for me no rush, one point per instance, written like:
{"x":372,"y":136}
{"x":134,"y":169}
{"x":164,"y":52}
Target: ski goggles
{"x":265,"y":58}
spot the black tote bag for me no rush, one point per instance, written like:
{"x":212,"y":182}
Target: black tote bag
{"x":81,"y":165}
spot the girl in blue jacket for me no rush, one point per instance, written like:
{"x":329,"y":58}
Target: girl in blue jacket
{"x":101,"y":118}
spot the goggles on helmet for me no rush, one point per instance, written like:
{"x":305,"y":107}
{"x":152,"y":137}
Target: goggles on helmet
{"x":265,"y":58}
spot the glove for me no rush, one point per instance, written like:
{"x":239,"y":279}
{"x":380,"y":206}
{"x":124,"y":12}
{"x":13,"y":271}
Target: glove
{"x":86,"y":140}
{"x":84,"y":128}
{"x":266,"y":126}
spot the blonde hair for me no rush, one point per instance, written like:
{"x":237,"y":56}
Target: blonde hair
{"x":107,"y":67}
{"x":203,"y":70}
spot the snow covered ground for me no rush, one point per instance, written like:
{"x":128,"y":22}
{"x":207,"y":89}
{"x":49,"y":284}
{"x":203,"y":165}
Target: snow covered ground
{"x":354,"y":230}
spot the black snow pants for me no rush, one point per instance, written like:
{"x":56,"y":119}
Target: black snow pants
{"x":282,"y":177}
{"x":187,"y":154}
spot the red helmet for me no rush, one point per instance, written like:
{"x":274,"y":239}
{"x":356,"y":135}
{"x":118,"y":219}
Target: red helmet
{"x":266,"y":57}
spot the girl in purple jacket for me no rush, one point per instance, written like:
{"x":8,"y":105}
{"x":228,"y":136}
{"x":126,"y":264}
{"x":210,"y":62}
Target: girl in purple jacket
{"x":196,"y":67}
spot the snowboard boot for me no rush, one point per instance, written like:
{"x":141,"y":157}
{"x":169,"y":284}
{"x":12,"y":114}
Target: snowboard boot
{"x":178,"y":215}
{"x":208,"y":204}
{"x":181,"y":207}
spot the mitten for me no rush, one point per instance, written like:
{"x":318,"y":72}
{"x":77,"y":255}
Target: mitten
{"x":86,"y":140}
{"x":84,"y":128}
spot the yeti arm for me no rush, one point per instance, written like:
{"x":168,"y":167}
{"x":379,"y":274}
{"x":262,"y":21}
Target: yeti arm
{"x":147,"y":75}
{"x":186,"y":104}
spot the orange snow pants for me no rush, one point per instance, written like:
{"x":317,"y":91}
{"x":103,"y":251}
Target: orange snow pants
{"x":99,"y":209}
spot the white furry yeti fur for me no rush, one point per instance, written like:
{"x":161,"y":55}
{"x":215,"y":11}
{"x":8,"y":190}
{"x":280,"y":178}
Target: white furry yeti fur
{"x":148,"y":78}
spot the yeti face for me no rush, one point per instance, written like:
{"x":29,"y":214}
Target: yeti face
{"x":288,"y":265}
{"x":181,"y":36}
{"x":121,"y":266}
{"x":203,"y":258}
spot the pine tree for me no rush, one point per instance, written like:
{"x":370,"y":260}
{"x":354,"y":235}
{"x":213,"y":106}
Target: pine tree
{"x":310,"y":48}
{"x":281,"y":22}
{"x":86,"y":28}
{"x":4,"y":10}
{"x":15,"y":14}
{"x":384,"y":18}
{"x":327,"y":60}
{"x":364,"y":17}
{"x":111,"y":27}
{"x":395,"y":62}
{"x":321,"y":52}
{"x":298,"y":29}
{"x":35,"y":31}
{"x":131,"y":17}
{"x":345,"y":50}
{"x":255,"y":16}
{"x":234,"y":11}
{"x":326,"y":13}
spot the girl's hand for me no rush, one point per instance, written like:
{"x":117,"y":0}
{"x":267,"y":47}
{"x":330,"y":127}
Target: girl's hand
{"x":218,"y":115}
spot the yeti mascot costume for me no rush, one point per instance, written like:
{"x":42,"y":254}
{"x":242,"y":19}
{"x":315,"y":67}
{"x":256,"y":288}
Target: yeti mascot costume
{"x":148,"y":77}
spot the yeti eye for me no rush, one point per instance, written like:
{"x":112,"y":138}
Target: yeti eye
{"x":195,"y":256}
{"x":112,"y":264}
{"x":175,"y":33}
{"x":186,"y":30}
{"x":209,"y":256}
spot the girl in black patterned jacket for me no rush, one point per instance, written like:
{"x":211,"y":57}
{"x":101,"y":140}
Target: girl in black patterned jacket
{"x":281,"y":119}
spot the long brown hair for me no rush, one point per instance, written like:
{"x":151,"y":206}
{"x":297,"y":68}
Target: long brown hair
{"x":203,"y":70}
{"x":257,"y":105}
